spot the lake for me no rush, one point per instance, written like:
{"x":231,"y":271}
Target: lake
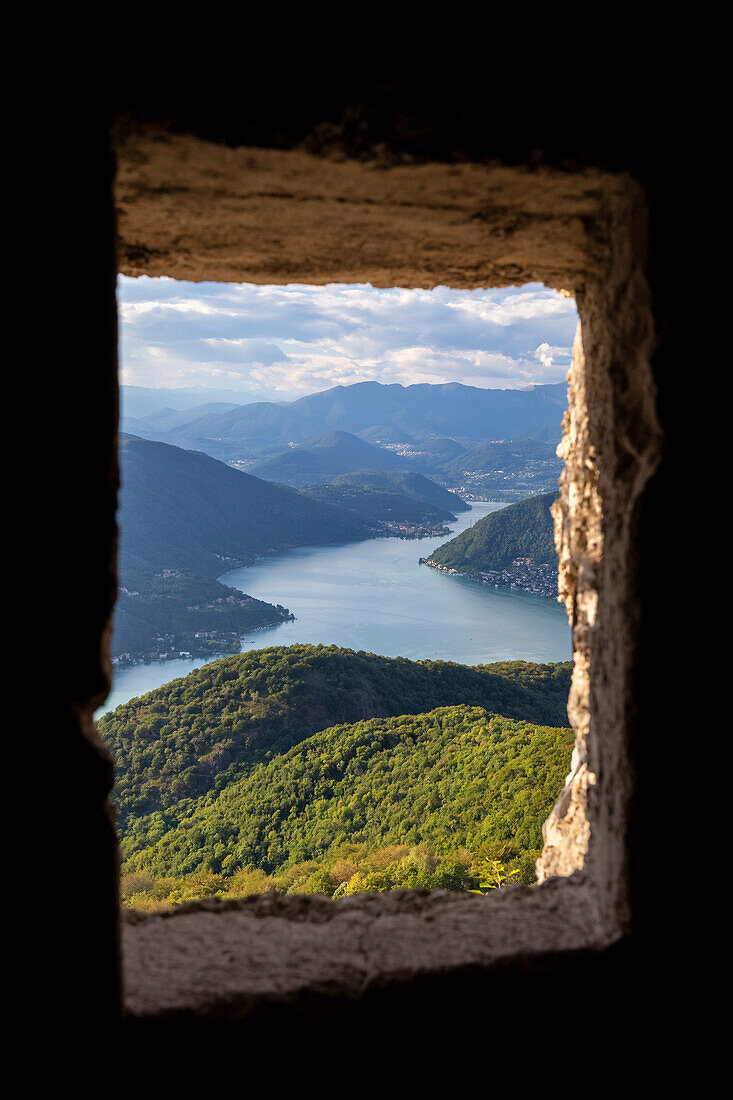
{"x":375,"y":596}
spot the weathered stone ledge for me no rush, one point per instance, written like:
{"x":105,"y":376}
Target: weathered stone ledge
{"x":228,"y":956}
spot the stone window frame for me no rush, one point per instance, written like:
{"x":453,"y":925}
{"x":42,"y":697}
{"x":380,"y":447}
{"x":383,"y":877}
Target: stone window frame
{"x":199,"y":211}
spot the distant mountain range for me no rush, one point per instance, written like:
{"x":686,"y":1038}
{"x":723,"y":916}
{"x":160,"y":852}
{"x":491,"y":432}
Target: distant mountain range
{"x":168,"y":419}
{"x":142,"y":401}
{"x":393,"y":413}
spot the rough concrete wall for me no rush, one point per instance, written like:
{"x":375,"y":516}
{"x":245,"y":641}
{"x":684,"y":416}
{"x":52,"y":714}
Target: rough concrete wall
{"x":579,"y":541}
{"x":611,"y":445}
{"x":190,"y":209}
{"x":229,"y":957}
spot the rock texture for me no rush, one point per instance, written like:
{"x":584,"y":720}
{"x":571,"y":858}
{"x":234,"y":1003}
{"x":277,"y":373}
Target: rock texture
{"x":191,"y":209}
{"x":229,"y":957}
{"x":611,"y":446}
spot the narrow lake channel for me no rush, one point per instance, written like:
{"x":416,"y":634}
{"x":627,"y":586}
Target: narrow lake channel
{"x":375,"y":596}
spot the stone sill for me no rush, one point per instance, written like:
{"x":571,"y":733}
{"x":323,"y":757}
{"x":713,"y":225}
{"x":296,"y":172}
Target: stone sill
{"x":227,"y":958}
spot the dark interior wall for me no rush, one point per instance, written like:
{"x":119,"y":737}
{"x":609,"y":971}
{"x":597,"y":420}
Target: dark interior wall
{"x":594,"y":84}
{"x":613,"y":103}
{"x":65,"y":947}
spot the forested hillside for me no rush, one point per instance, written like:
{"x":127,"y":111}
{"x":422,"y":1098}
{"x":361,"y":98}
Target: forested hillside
{"x":505,"y":471}
{"x":189,"y":739}
{"x":521,"y":531}
{"x":178,"y":606}
{"x":425,"y":794}
{"x":382,"y":505}
{"x":184,"y":510}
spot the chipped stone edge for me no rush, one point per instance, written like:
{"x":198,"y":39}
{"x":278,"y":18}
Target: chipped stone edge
{"x":225,"y":958}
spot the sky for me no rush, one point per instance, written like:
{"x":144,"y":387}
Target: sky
{"x":282,"y":342}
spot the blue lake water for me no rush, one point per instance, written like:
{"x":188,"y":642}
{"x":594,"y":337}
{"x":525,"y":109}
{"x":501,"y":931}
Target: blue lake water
{"x":375,"y":596}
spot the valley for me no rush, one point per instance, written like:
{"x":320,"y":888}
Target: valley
{"x":374,"y":595}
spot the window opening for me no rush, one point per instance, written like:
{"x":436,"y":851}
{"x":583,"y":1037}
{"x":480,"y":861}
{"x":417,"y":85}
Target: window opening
{"x":385,"y":571}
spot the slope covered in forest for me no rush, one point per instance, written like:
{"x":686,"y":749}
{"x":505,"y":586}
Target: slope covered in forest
{"x":321,"y":460}
{"x":521,"y":531}
{"x":191,"y":738}
{"x":410,"y":484}
{"x":455,"y":780}
{"x":382,"y":505}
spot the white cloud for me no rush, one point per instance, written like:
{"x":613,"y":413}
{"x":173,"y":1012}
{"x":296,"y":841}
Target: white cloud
{"x":550,"y":356}
{"x":285,"y":341}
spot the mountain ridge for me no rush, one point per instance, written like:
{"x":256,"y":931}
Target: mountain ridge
{"x":228,"y":715}
{"x":163,"y":485}
{"x":446,"y":409}
{"x":319,"y":461}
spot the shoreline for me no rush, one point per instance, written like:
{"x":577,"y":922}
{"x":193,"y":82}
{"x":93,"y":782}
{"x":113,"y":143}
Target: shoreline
{"x":182,"y":655}
{"x":355,"y":613}
{"x":539,"y":580}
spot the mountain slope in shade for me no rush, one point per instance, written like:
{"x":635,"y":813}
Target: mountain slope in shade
{"x":412,"y":485}
{"x":141,"y":401}
{"x":186,"y":519}
{"x":168,"y":419}
{"x":180,"y":509}
{"x":506,"y":458}
{"x":523,"y":530}
{"x":324,"y":459}
{"x":382,"y":505}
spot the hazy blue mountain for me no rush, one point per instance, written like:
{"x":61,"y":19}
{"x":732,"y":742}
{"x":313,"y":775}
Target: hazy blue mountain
{"x":157,"y":424}
{"x":186,"y":519}
{"x":382,"y":434}
{"x":323,"y":459}
{"x":412,"y":485}
{"x":507,"y":458}
{"x":141,"y":401}
{"x":504,"y":471}
{"x":447,"y":410}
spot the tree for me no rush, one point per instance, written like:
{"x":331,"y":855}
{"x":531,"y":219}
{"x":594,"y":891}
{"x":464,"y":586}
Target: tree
{"x":494,"y":875}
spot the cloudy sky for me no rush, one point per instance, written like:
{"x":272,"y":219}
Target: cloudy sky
{"x":282,"y":342}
